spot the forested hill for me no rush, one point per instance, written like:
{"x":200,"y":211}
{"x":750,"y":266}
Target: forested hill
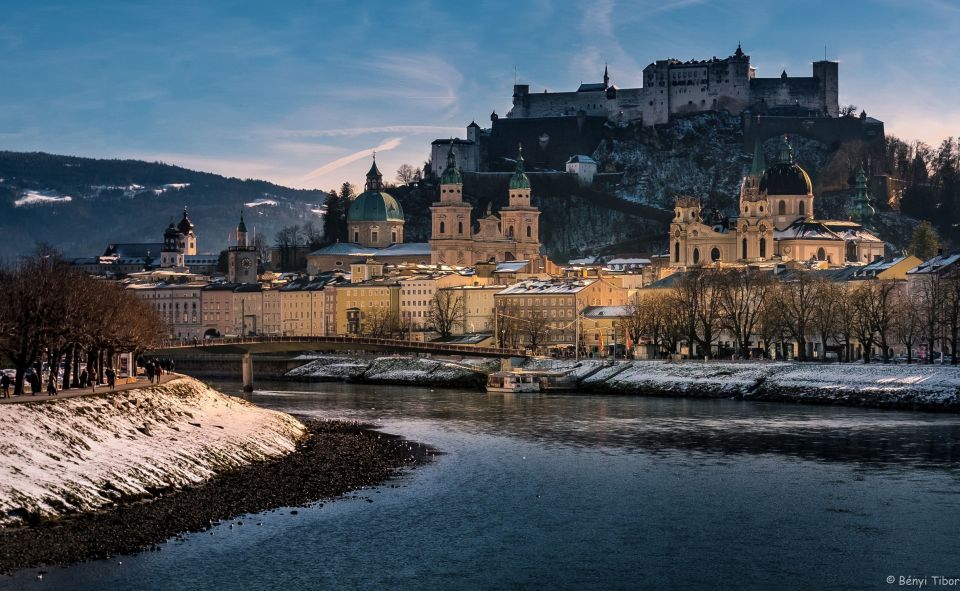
{"x":81,"y":204}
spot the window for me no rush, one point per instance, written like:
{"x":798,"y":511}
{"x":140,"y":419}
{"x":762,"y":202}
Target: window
{"x":715,"y":254}
{"x":529,"y":231}
{"x":676,"y":252}
{"x":460,"y":227}
{"x":356,"y":236}
{"x":393,"y":237}
{"x":763,"y":248}
{"x":821,"y":254}
{"x":510,"y":232}
{"x":375,"y":236}
{"x":782,"y":208}
{"x":803,"y":208}
{"x":696,"y":256}
{"x":743,"y":254}
{"x":443,"y":227}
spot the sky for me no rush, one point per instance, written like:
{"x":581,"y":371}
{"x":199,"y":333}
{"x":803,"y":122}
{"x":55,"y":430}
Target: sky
{"x":301,"y":93}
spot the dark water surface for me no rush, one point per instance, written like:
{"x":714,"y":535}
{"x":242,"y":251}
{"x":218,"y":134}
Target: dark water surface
{"x":592,"y":492}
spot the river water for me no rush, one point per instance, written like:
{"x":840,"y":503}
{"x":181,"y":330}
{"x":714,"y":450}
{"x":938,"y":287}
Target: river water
{"x":592,"y":492}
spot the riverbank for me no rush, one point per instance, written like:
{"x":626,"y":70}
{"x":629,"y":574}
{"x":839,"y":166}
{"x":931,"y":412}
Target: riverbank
{"x":331,"y":458}
{"x":906,"y":387}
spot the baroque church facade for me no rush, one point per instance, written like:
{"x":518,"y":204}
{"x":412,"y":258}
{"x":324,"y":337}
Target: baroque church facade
{"x":776,"y":220}
{"x":514,"y":234}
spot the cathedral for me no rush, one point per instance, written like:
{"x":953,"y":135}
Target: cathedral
{"x":513,"y":235}
{"x":776,"y":220}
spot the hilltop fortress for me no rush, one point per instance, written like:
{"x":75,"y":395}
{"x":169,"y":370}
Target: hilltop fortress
{"x":671,"y":87}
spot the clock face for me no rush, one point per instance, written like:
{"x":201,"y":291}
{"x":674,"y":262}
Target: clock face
{"x":246,"y":263}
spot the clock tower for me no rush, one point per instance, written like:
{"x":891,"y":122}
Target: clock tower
{"x":242,"y":258}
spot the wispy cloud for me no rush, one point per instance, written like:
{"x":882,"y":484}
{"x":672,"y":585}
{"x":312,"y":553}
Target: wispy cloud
{"x":329,"y":167}
{"x":355,"y":131}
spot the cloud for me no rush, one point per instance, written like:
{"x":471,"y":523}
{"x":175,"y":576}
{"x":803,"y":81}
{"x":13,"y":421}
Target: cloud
{"x":355,"y":131}
{"x":329,"y":167}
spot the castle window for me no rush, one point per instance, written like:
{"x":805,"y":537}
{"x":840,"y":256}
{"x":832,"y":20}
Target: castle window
{"x":715,"y":254}
{"x":782,"y":208}
{"x":443,"y":227}
{"x":763,"y":248}
{"x":803,"y":208}
{"x":696,"y":256}
{"x":743,"y":255}
{"x":676,"y":252}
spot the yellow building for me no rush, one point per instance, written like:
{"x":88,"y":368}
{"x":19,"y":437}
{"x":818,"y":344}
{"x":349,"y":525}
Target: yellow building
{"x":369,"y":308}
{"x":602,"y":328}
{"x":302,"y":308}
{"x":247,"y":310}
{"x":179,"y":305}
{"x":217,"y":304}
{"x":417,"y":293}
{"x":477,"y":307}
{"x":272,"y":313}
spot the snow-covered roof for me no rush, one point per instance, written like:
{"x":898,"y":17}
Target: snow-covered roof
{"x":351,"y":249}
{"x":511,"y":266}
{"x":556,"y":286}
{"x":935,"y":264}
{"x":606,"y":311}
{"x":582,"y":159}
{"x":806,"y":230}
{"x":408,"y":248}
{"x":582,"y":261}
{"x":627,"y":261}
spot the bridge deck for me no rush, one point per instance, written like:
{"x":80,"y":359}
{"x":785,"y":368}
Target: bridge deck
{"x":267,"y":344}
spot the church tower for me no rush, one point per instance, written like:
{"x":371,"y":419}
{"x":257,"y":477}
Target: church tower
{"x":686,"y":213}
{"x":520,"y":220}
{"x":189,"y":240}
{"x":242,"y":258}
{"x":171,"y":255}
{"x":451,"y":236}
{"x":861,"y":211}
{"x":787,"y":188}
{"x":754,"y":234}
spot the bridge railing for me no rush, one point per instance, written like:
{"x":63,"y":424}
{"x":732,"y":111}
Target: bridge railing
{"x":340,"y":340}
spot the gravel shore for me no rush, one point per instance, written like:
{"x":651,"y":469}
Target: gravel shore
{"x":333,"y":459}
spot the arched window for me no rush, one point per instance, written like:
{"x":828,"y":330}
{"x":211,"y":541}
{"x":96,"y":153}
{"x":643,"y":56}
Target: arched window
{"x":356,"y":236}
{"x":443,"y":227}
{"x":676,"y":252}
{"x":803,"y":208}
{"x":696,"y":256}
{"x":763,"y":248}
{"x":459,"y":227}
{"x":715,"y":254}
{"x":529,"y":231}
{"x":821,"y":254}
{"x":744,"y":249}
{"x":782,"y":208}
{"x":510,"y":232}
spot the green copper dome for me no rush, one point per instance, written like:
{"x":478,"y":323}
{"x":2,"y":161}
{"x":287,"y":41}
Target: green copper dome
{"x":375,"y":206}
{"x":519,"y":180}
{"x":451,"y":174}
{"x":861,"y":211}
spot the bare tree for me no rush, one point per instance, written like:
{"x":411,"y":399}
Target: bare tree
{"x":535,"y":328}
{"x":408,"y":174}
{"x":379,"y":322}
{"x":827,"y":302}
{"x":742,"y":295}
{"x":930,"y":299}
{"x":908,"y":323}
{"x":796,"y":301}
{"x":446,"y":311}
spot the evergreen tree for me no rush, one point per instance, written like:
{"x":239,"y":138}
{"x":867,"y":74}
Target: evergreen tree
{"x":925,"y":242}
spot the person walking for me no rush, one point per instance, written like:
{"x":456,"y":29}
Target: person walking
{"x":159,"y":371}
{"x":5,"y":384}
{"x":93,"y":379}
{"x":111,"y":378}
{"x":149,"y":370}
{"x":34,"y":383}
{"x":84,"y":379}
{"x":52,"y":386}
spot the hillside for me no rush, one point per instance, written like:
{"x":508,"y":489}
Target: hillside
{"x":81,"y":204}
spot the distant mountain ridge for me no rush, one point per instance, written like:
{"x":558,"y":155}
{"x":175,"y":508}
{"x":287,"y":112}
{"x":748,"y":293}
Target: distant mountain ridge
{"x":81,"y":204}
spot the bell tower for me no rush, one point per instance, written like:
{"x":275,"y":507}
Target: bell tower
{"x":754,"y":234}
{"x":242,"y":258}
{"x":451,"y":235}
{"x":520,"y":220}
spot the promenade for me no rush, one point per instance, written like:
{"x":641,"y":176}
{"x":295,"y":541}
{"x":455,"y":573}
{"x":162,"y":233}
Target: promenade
{"x":78,"y":392}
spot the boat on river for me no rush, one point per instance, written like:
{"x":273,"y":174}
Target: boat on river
{"x":513,"y":381}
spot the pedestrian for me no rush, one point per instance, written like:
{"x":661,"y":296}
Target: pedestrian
{"x":171,"y":366}
{"x":52,"y":386}
{"x":111,"y":378}
{"x":93,"y":378}
{"x":84,"y":379}
{"x":34,"y":383}
{"x":5,"y":384}
{"x":159,"y":372}
{"x":149,"y":369}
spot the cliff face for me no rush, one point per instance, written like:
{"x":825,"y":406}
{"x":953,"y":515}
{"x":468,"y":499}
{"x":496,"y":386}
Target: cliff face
{"x":83,"y":454}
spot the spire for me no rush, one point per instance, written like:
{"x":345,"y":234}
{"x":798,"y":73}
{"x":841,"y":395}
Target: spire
{"x":786,"y":151}
{"x":519,"y":180}
{"x":739,"y":51}
{"x":759,"y":160}
{"x":606,"y":77}
{"x":451,"y":174}
{"x":861,"y":211}
{"x":374,"y":178}
{"x":241,"y":231}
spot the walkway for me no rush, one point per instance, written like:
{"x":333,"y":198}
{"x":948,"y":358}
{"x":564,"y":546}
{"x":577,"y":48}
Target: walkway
{"x":77,"y":392}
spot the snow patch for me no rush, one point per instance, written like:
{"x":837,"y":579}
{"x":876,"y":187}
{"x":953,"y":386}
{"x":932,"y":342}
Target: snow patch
{"x":41,"y":198}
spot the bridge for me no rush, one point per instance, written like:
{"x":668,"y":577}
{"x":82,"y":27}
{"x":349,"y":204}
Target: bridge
{"x":282,"y":344}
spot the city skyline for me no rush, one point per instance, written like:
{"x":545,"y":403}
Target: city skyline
{"x":292,"y":98}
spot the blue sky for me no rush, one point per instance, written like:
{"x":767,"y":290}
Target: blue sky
{"x":299,"y":93}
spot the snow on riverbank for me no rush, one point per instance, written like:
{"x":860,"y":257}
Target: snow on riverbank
{"x":396,"y":370}
{"x":82,"y":454}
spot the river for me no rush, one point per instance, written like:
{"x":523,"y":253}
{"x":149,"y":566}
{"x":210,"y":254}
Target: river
{"x":591,"y":492}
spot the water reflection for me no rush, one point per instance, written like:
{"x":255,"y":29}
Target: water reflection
{"x":876,"y":439}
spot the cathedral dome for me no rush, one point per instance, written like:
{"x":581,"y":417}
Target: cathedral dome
{"x":171,"y":231}
{"x":185,"y":226}
{"x":785,"y":177}
{"x":375,"y":206}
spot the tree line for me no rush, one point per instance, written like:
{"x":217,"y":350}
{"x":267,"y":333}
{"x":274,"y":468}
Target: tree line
{"x":50,"y":312}
{"x":757,"y":314}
